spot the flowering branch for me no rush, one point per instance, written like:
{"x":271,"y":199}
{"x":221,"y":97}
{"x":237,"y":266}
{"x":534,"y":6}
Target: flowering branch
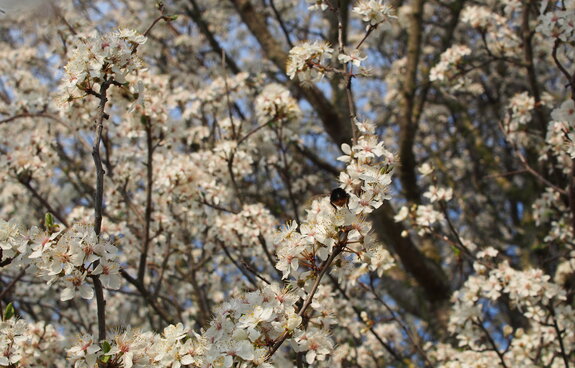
{"x":338,"y":248}
{"x":559,"y":333}
{"x":491,"y":342}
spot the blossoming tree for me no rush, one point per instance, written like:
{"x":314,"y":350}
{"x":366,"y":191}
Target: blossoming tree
{"x":280,"y":183}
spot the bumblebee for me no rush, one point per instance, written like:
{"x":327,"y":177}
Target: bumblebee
{"x":338,"y":198}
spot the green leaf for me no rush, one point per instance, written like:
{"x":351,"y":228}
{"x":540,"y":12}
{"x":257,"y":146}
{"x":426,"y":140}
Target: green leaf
{"x":106,"y":347}
{"x":49,"y":221}
{"x":457,"y":251}
{"x":9,"y":312}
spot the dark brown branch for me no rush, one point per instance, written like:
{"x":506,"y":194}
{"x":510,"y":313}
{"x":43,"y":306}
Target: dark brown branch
{"x":98,"y":203}
{"x":527,"y":35}
{"x":148,"y":210}
{"x":216,"y":207}
{"x":559,"y":65}
{"x":101,"y":304}
{"x":99,"y":197}
{"x":408,"y":125}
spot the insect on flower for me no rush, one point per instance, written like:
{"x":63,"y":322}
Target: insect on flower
{"x":338,"y":198}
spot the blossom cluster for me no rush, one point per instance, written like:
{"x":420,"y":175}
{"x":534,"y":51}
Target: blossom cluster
{"x":173,"y":348}
{"x":220,"y":89}
{"x":374,"y":12}
{"x":557,"y":23}
{"x":561,"y":133}
{"x":96,"y":58}
{"x":520,"y":107}
{"x":450,"y":70}
{"x":198,"y":176}
{"x":31,"y":156}
{"x":425,"y":217}
{"x":307,"y":61}
{"x":530,"y":293}
{"x":550,"y":210}
{"x":245,"y":327}
{"x":70,"y":256}
{"x":366,"y":179}
{"x":245,"y":228}
{"x":500,"y":38}
{"x":353,"y":56}
{"x":317,"y":5}
{"x":25,"y":344}
{"x":275,"y":103}
{"x":242,"y":331}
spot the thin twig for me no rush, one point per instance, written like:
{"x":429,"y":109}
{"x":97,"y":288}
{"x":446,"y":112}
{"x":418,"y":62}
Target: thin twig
{"x":460,"y":244}
{"x":558,"y":63}
{"x":367,"y":33}
{"x":403,"y":326}
{"x":148,"y":297}
{"x":238,"y":266}
{"x":560,"y":338}
{"x":253,"y":131}
{"x":33,"y":115}
{"x":268,"y":254}
{"x":285,"y":170}
{"x":217,"y":207}
{"x":282,"y":24}
{"x":357,"y":311}
{"x":43,"y":201}
{"x":12,"y":283}
{"x":492,"y":343}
